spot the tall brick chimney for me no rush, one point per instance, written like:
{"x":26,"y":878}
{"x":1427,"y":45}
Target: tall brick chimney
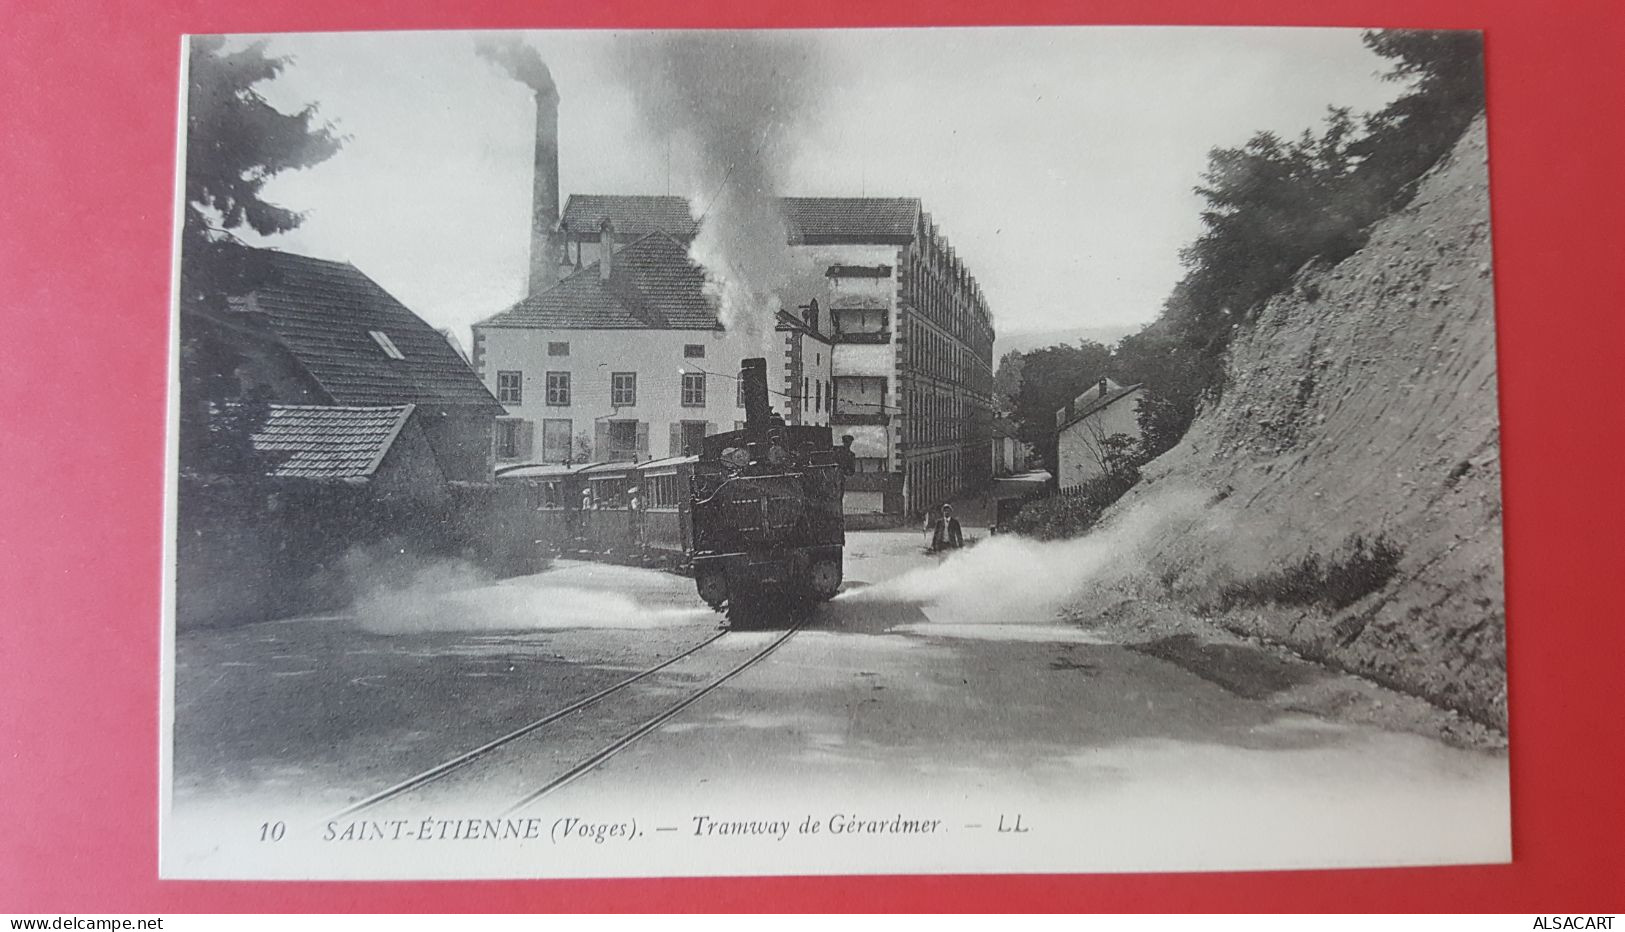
{"x":524,"y":64}
{"x":544,"y":203}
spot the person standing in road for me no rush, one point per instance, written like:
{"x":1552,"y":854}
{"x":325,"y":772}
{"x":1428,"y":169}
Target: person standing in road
{"x":946,"y":533}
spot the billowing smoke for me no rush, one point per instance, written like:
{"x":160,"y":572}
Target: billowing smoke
{"x":731,"y":104}
{"x":522,"y":62}
{"x":1018,"y":580}
{"x":395,"y":593}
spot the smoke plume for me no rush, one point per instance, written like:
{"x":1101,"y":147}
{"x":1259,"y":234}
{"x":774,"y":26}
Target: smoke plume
{"x":1019,"y":580}
{"x":730,"y":104}
{"x":398,"y":593}
{"x":522,"y":62}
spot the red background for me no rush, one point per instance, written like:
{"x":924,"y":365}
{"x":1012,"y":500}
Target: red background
{"x":88,"y":115}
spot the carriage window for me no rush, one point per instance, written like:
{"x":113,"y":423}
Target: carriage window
{"x":610,"y":493}
{"x":662,"y":491}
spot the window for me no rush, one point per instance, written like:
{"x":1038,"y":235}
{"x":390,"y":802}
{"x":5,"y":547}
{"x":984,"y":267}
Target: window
{"x":818,"y":396}
{"x":694,"y":351}
{"x":662,"y":491}
{"x":623,"y":441}
{"x":556,"y":433}
{"x":739,"y":393}
{"x":510,"y":387}
{"x":558,"y":349}
{"x":860,"y":395}
{"x":623,"y":389}
{"x":860,"y":320}
{"x":693,"y":437}
{"x":558,"y":389}
{"x":386,"y":344}
{"x":804,"y":381}
{"x":513,"y":439}
{"x":694,"y":389}
{"x":507,"y":440}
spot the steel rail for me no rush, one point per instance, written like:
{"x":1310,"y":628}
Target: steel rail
{"x":468,"y":757}
{"x":626,"y":740}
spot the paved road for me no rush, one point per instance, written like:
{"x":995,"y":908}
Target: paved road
{"x":941,"y":693}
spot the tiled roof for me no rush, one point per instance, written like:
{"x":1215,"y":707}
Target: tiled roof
{"x":1104,"y":401}
{"x":863,"y":219}
{"x":634,"y":215}
{"x":329,"y":442}
{"x":323,"y":311}
{"x":652,"y":285}
{"x":809,"y":219}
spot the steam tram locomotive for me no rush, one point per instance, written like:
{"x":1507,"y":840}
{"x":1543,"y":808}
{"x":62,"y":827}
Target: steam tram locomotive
{"x":755,"y":517}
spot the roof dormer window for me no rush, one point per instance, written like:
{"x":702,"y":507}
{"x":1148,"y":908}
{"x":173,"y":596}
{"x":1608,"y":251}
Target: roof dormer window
{"x":386,"y":344}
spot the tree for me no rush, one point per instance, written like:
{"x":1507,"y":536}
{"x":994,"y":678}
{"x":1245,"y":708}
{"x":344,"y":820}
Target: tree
{"x":1273,"y":206}
{"x":235,"y":142}
{"x":1007,"y":381}
{"x":1052,"y":377}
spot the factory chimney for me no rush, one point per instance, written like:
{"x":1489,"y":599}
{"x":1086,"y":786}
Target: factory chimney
{"x":544,"y":199}
{"x":523,"y":64}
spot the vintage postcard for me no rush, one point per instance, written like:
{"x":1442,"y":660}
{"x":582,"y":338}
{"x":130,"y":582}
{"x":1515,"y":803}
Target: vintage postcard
{"x":832,"y":452}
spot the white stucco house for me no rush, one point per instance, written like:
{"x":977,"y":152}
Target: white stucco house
{"x":1106,"y":410}
{"x":624,"y":360}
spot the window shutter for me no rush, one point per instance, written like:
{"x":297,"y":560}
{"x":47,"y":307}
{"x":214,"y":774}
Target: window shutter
{"x":522,"y":443}
{"x":676,"y":436}
{"x":643,"y":440}
{"x":600,"y":441}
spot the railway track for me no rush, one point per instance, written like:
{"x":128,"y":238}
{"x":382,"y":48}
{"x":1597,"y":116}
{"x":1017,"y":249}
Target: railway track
{"x":497,"y":769}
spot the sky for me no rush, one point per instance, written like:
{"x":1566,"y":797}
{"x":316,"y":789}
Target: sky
{"x":1059,"y":162}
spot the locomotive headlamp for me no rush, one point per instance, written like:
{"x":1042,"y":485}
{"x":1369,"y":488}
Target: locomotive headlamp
{"x":737,"y":457}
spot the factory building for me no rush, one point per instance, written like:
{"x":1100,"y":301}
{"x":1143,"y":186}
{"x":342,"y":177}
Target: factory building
{"x":882,"y":332}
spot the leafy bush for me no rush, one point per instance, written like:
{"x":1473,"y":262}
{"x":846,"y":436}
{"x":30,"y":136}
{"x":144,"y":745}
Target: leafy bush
{"x":1074,"y":511}
{"x":1363,"y":568}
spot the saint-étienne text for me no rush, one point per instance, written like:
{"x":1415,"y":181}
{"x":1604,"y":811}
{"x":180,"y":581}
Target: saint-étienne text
{"x":434,"y":830}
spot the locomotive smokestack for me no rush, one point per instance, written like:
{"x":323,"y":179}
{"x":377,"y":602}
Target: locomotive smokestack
{"x":753,"y":375}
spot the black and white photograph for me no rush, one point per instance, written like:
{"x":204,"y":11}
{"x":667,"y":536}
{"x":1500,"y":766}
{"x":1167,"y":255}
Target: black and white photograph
{"x":832,"y":452}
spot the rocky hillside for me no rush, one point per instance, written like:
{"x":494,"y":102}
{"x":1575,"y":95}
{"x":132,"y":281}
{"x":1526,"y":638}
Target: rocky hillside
{"x":1362,"y":402}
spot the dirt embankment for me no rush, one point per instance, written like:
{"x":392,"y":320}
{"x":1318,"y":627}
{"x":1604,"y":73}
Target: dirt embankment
{"x":1362,"y":402}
